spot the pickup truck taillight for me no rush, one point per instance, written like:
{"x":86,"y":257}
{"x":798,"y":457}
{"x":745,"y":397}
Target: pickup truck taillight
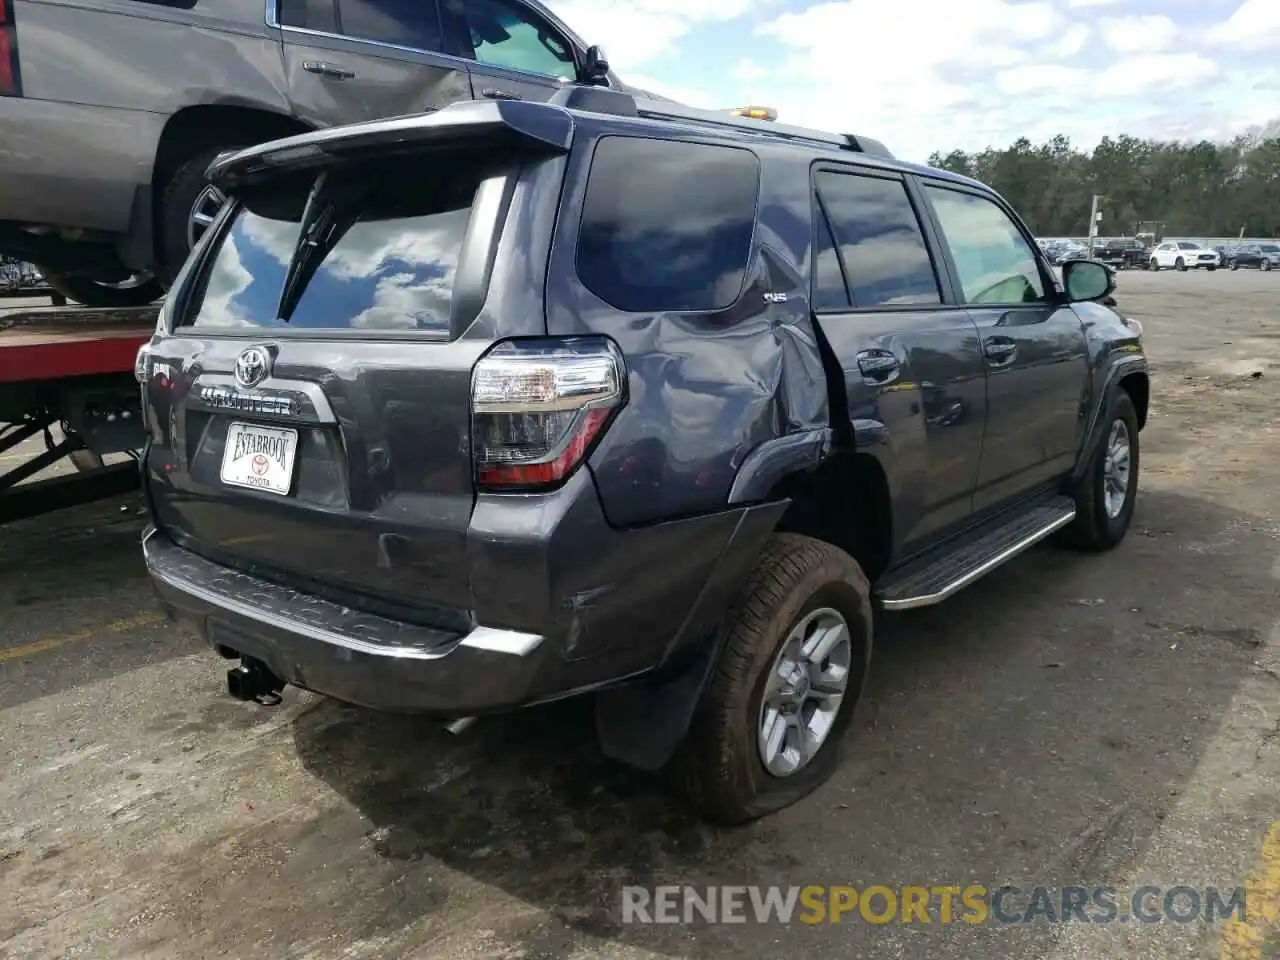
{"x":10,"y":81}
{"x":538,"y":406}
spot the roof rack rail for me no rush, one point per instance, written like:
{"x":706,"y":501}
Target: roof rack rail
{"x":620,"y":103}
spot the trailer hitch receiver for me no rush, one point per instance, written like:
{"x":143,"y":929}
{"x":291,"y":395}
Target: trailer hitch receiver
{"x":253,"y":680}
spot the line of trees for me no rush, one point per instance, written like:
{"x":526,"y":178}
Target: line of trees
{"x":1195,"y":189}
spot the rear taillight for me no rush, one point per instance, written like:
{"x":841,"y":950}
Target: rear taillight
{"x":538,"y":406}
{"x":10,"y":81}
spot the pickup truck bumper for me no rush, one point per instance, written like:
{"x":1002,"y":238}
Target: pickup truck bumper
{"x":654,"y":590}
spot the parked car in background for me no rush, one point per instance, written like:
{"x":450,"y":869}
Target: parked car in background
{"x":1260,"y":256}
{"x":1059,"y":250}
{"x":1122,"y":253}
{"x":1184,"y":255}
{"x":102,"y":168}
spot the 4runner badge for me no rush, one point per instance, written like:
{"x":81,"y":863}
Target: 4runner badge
{"x":252,"y":367}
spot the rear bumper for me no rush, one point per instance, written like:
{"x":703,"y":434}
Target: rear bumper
{"x":358,"y":657}
{"x":573,"y":605}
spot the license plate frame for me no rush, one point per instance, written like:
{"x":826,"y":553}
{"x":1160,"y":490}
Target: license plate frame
{"x":267,"y":464}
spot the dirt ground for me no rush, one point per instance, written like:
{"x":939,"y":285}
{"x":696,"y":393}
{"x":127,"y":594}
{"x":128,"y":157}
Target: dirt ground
{"x":1069,"y":720}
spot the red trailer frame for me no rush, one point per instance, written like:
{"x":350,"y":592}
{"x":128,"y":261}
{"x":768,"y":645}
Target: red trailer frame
{"x":70,"y":367}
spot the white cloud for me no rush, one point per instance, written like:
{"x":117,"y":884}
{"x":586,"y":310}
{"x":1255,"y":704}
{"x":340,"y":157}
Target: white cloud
{"x":1139,"y":34}
{"x":1079,"y":4}
{"x":748,"y":70}
{"x":634,"y":32}
{"x":1255,"y":25}
{"x":1156,"y":73}
{"x":1071,"y":42}
{"x":1039,"y":77}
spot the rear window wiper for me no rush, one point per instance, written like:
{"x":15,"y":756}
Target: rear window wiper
{"x":328,"y":215}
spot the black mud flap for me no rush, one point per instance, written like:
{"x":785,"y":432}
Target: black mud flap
{"x":642,"y":724}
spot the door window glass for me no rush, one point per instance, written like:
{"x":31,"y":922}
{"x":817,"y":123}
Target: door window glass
{"x":881,"y":247}
{"x":994,"y":261}
{"x":506,"y":35}
{"x":405,"y":23}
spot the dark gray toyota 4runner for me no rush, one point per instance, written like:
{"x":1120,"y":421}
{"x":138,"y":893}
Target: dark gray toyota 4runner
{"x":460,"y":412}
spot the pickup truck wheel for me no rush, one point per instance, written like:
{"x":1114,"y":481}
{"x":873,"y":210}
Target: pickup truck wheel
{"x":137,"y":291}
{"x":769,"y":727}
{"x":1232,"y":265}
{"x":1106,"y":495}
{"x":1154,"y":264}
{"x":187,"y":207}
{"x":1180,"y":264}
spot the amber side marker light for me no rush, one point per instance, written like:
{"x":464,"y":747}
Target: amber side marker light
{"x":755,"y":113}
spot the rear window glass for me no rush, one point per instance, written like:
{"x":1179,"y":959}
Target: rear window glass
{"x":667,"y":225}
{"x":391,"y":253}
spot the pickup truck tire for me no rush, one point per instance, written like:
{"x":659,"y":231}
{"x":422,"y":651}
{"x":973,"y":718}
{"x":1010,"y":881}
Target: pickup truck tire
{"x":720,"y":765}
{"x":91,"y":293}
{"x":184,"y":187}
{"x":1232,"y":265}
{"x":1095,"y":528}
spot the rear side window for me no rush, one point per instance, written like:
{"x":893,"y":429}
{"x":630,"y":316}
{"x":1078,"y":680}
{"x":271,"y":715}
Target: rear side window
{"x":388,"y":250}
{"x":667,"y":225}
{"x":406,"y":23}
{"x":873,"y":242}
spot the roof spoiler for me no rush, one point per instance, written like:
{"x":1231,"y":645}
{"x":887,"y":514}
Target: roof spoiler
{"x":510,"y":121}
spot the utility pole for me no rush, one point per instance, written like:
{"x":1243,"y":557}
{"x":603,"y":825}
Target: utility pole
{"x":1095,"y":217}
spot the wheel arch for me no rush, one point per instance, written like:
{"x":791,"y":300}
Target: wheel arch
{"x":206,"y":124}
{"x":1138,"y":386}
{"x":845,"y":500}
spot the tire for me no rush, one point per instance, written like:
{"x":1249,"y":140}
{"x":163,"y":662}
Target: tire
{"x":1094,"y":529}
{"x":1232,"y":265}
{"x":1212,"y":267}
{"x":1265,"y":266}
{"x":1180,"y":264}
{"x":719,"y":765}
{"x":1154,"y":265}
{"x":177,"y":199}
{"x":92,"y":293}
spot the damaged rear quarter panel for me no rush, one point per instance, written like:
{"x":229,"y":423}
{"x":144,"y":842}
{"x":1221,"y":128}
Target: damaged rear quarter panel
{"x":705,"y":388}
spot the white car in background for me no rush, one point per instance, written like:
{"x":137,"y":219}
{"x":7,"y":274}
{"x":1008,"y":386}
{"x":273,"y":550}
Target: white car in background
{"x":1184,"y":255}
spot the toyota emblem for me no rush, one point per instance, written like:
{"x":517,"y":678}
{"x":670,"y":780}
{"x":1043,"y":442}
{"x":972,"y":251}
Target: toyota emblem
{"x":252,"y":366}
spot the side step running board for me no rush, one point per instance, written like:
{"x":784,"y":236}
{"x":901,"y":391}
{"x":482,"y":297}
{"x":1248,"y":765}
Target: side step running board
{"x":937,"y":575}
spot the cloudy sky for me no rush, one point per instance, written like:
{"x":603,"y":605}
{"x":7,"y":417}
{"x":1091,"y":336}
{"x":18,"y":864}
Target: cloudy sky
{"x":926,"y":75}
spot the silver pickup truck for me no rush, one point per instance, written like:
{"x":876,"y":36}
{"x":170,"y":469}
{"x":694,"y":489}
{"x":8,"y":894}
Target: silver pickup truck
{"x":112,"y":110}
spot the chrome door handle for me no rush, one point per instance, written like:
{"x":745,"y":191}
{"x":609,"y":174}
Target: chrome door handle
{"x":493,"y":93}
{"x":999,"y":351}
{"x":327,"y":70}
{"x":877,"y":366}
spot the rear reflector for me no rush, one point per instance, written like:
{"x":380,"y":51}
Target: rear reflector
{"x":538,"y":406}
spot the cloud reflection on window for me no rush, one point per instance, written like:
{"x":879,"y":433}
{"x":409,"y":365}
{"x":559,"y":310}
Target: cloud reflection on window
{"x":392,"y":270}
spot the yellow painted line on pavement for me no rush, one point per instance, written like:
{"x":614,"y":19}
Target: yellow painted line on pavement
{"x":1243,"y":939}
{"x":52,"y":643}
